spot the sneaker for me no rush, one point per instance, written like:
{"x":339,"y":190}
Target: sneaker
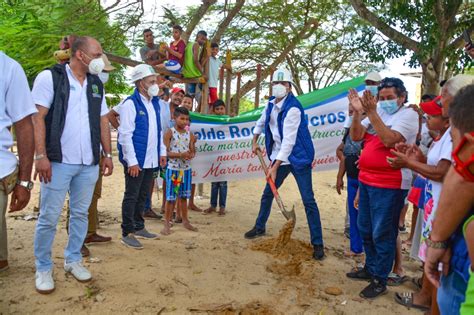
{"x":253,"y":233}
{"x":78,"y":271}
{"x":150,"y":214}
{"x":131,"y":242}
{"x":359,"y":274}
{"x":318,"y":253}
{"x":44,"y":281}
{"x":373,"y":290}
{"x":144,"y":234}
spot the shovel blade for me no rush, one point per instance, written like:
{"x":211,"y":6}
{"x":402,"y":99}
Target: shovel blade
{"x":289,"y":215}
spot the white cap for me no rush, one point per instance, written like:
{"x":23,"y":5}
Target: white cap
{"x":142,"y":71}
{"x":282,"y":75}
{"x":373,"y":76}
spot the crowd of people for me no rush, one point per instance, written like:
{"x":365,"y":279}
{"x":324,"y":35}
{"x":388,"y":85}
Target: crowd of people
{"x":392,"y":154}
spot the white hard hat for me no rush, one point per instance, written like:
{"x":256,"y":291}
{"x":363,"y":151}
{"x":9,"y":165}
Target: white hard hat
{"x":142,"y":71}
{"x":282,"y":75}
{"x":373,"y":76}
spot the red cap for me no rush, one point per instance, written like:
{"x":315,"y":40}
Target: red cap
{"x":433,"y":108}
{"x":176,"y":90}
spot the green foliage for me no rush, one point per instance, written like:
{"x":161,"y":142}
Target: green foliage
{"x":246,"y":105}
{"x":32,"y":29}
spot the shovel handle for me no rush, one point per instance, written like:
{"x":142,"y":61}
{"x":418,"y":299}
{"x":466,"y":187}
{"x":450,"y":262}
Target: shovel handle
{"x":270,"y":181}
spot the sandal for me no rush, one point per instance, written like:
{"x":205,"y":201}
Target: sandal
{"x":208,"y":211}
{"x":417,"y":282}
{"x":395,"y":279}
{"x":406,"y":299}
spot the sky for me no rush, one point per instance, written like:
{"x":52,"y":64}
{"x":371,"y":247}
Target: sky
{"x":394,"y":67}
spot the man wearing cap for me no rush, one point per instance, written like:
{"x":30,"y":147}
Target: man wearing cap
{"x":372,"y":81}
{"x":141,"y":151}
{"x":382,"y":189}
{"x":290,"y":149}
{"x":70,"y":127}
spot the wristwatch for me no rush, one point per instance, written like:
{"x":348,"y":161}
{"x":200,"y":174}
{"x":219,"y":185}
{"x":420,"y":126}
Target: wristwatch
{"x":39,"y":157}
{"x":26,"y":184}
{"x":107,"y":155}
{"x":437,"y":245}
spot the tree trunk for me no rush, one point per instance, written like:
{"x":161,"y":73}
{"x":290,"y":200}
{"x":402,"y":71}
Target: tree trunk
{"x":196,"y":18}
{"x":306,"y":31}
{"x":216,"y":38}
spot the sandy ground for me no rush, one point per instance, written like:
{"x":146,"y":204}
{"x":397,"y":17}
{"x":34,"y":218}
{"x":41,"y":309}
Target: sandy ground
{"x":213,"y":271}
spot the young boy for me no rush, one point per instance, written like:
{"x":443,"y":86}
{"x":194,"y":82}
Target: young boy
{"x":187,"y":102}
{"x":218,"y":188}
{"x":192,"y":68}
{"x":175,"y":52}
{"x":214,"y":66}
{"x":180,"y":151}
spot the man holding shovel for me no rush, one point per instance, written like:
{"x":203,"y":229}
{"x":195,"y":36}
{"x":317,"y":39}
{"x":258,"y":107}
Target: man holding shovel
{"x":290,"y":149}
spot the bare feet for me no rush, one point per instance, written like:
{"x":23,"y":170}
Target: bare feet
{"x":188,"y":226}
{"x":178,"y":220}
{"x":209,"y":210}
{"x":193,"y":207}
{"x":166,"y":229}
{"x":221,"y":211}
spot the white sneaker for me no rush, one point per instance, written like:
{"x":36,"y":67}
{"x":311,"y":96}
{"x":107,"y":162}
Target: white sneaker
{"x":44,"y":281}
{"x":78,"y":271}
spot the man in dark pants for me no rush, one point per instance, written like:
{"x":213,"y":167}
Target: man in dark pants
{"x":290,"y":148}
{"x":141,"y":151}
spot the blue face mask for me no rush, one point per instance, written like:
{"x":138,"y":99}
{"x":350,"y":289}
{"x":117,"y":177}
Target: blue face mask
{"x":373,"y":89}
{"x":389,"y":106}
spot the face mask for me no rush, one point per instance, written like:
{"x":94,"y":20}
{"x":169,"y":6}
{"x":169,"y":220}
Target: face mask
{"x":373,"y":89}
{"x":104,"y":77}
{"x":279,"y":91}
{"x":96,"y":66}
{"x":153,"y":90}
{"x":348,"y":122}
{"x":389,"y":106}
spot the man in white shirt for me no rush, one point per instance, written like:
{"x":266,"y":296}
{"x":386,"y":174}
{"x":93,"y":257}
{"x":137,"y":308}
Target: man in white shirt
{"x":16,"y":107}
{"x":141,"y":151}
{"x":290,"y":148}
{"x":70,"y":127}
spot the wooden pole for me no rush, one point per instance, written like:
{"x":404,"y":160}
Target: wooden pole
{"x":205,"y":87}
{"x":257,"y":88}
{"x":237,"y":92}
{"x":270,"y":89}
{"x":228,"y":81}
{"x":221,"y":83}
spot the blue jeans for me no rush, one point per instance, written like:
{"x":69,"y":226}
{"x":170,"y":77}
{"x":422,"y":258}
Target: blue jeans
{"x":451,"y":293}
{"x":305,"y":185}
{"x":379,"y":211}
{"x":355,"y":239}
{"x":80,"y":181}
{"x":218,"y":188}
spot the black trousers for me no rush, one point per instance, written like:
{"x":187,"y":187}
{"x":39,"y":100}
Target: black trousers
{"x":133,"y":204}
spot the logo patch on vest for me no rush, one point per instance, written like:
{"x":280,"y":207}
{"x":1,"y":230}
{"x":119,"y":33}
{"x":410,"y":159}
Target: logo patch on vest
{"x":142,"y":113}
{"x":95,"y":91}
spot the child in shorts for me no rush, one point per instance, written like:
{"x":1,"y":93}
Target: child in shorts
{"x":179,"y":142}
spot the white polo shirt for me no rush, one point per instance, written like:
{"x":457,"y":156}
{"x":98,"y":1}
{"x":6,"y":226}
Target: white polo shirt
{"x":15,"y":104}
{"x":76,"y":142}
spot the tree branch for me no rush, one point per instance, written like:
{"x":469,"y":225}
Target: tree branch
{"x":383,"y":27}
{"x":216,"y":38}
{"x":196,"y":18}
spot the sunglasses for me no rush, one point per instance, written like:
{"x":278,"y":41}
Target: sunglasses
{"x":464,"y":166}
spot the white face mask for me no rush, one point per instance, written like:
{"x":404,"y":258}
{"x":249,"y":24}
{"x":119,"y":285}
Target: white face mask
{"x":96,"y":66}
{"x":279,"y":91}
{"x":104,"y":77}
{"x":153,"y":90}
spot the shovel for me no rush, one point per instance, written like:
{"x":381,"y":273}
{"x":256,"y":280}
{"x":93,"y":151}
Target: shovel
{"x":289,"y":215}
